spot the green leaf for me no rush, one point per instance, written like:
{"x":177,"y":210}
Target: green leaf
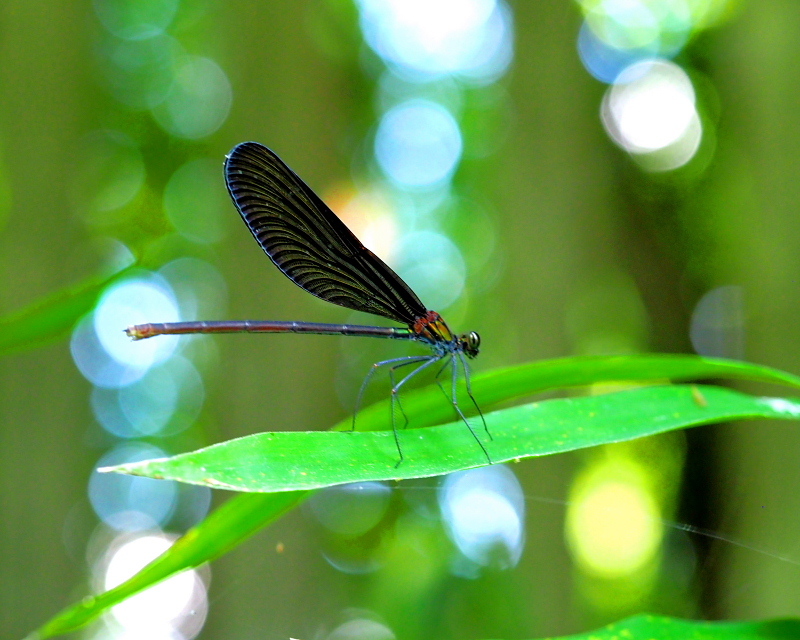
{"x":52,"y":317}
{"x":231,"y":524}
{"x":291,"y":460}
{"x":245,"y":514}
{"x":426,"y":406}
{"x":646,"y":627}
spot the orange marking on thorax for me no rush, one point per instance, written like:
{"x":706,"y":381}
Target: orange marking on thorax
{"x":432,"y":327}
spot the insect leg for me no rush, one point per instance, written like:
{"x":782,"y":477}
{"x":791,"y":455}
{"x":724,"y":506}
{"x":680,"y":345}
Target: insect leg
{"x":465,"y":364}
{"x":371,"y":372}
{"x":461,"y":413}
{"x":396,"y":397}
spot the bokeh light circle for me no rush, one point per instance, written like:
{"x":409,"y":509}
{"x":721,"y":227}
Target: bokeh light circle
{"x":130,"y":503}
{"x":613,"y":524}
{"x":198,"y":101}
{"x":351,"y":509}
{"x":432,"y":38}
{"x":650,"y":111}
{"x":418,"y":144}
{"x":135,"y":301}
{"x":604,"y":61}
{"x":110,"y":176}
{"x":662,"y":26}
{"x":718,"y":323}
{"x":433,"y":267}
{"x":140,"y":72}
{"x":484,"y":510}
{"x":199,"y":288}
{"x":195,"y":201}
{"x":173,"y":609}
{"x":136,"y":19}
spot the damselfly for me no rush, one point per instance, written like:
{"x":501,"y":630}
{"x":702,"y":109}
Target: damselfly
{"x":317,"y":252}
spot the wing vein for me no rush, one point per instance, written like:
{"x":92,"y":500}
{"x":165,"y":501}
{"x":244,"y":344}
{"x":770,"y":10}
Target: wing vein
{"x":308,"y":243}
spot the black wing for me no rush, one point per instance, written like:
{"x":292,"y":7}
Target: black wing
{"x":306,"y":240}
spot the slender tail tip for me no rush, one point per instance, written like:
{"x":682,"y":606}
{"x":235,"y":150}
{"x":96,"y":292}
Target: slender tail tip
{"x":137,"y":332}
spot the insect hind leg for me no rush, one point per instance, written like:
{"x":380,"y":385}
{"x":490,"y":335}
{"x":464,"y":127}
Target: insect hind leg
{"x":438,"y":377}
{"x":403,"y":361}
{"x":395,"y":397}
{"x":427,"y":361}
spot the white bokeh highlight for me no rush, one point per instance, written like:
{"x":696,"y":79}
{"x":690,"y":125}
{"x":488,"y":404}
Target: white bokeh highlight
{"x":484,"y":511}
{"x":651,"y":110}
{"x":174,"y":609}
{"x":428,"y":39}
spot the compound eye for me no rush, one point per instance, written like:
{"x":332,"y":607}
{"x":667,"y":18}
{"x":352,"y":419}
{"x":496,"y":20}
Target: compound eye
{"x":474,"y":341}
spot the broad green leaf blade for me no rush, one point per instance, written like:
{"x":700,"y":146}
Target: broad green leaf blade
{"x":646,"y":627}
{"x":244,"y":515}
{"x":231,"y":524}
{"x":427,"y":406}
{"x":290,"y":461}
{"x":52,"y":317}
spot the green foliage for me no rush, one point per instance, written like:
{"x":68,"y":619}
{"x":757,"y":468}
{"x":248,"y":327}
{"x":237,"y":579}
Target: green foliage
{"x":52,"y":317}
{"x":292,"y":460}
{"x":231,"y":524}
{"x":284,"y":462}
{"x":641,"y":627}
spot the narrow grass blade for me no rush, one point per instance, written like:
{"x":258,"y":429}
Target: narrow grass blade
{"x":52,"y":317}
{"x":231,"y":524}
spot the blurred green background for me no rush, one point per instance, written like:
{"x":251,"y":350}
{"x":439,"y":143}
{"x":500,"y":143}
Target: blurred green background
{"x":542,"y":234}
